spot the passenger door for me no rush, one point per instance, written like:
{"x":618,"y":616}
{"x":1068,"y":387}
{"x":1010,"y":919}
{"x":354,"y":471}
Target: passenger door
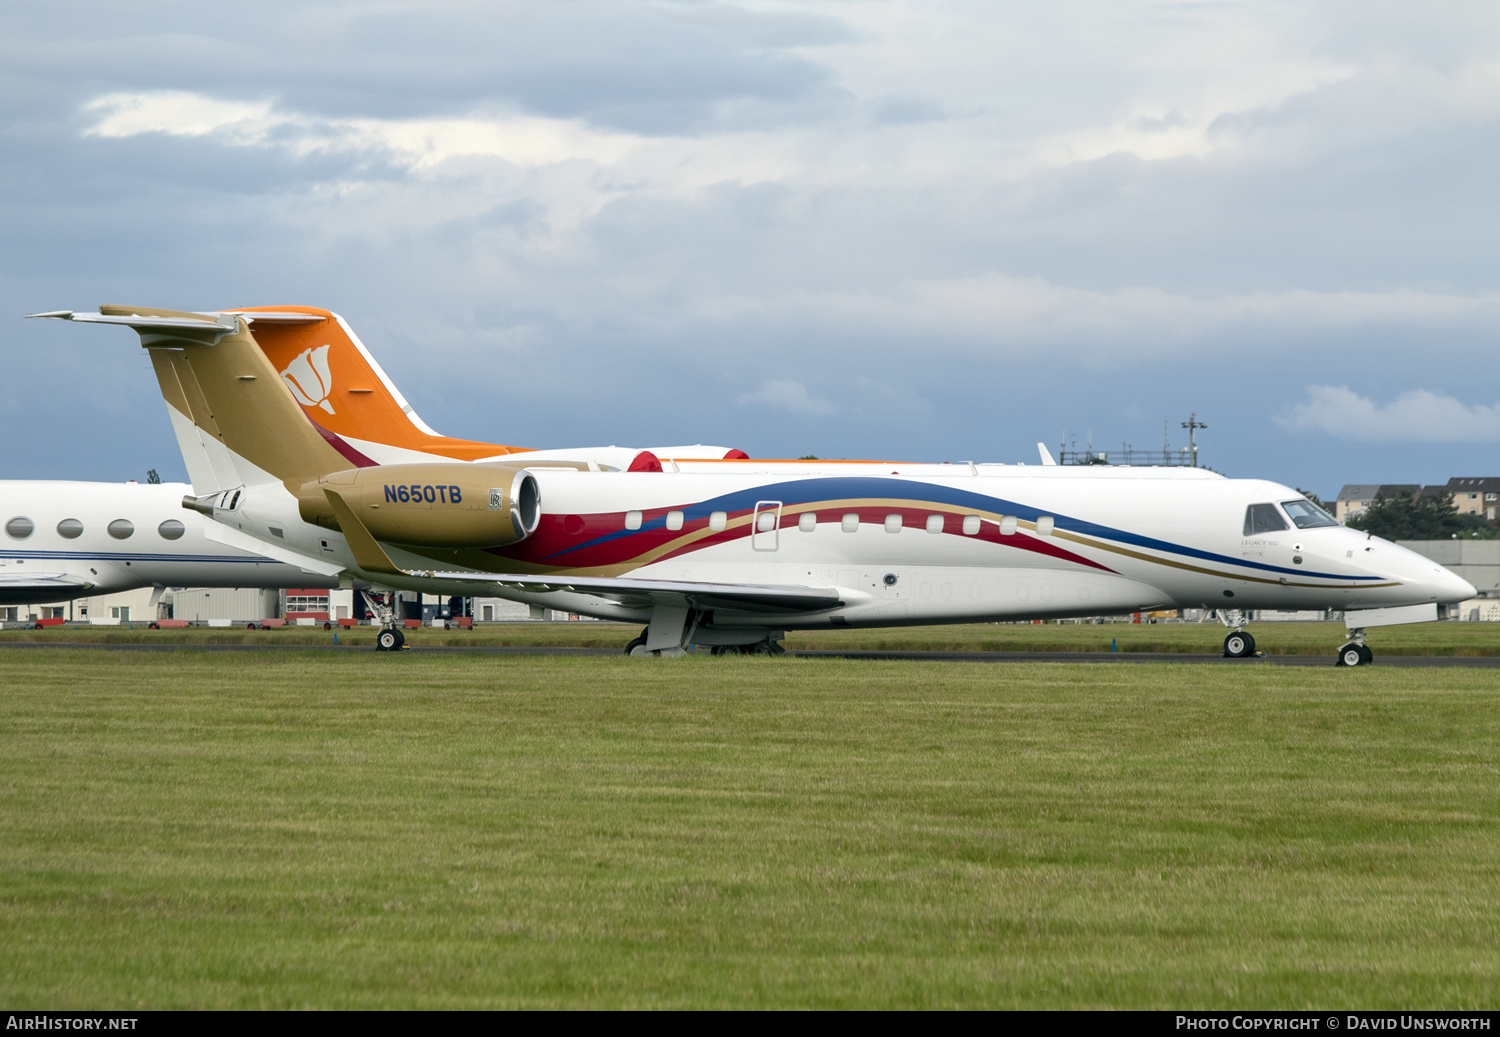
{"x":765,"y":529}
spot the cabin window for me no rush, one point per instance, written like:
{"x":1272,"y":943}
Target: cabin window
{"x":1044,"y":525}
{"x":1307,"y":515}
{"x":70,"y":529}
{"x":718,"y":520}
{"x":893,"y":523}
{"x":850,"y":522}
{"x":171,"y":529}
{"x":19,"y":528}
{"x":121,"y":529}
{"x":971,"y":525}
{"x":674,"y":520}
{"x":765,"y":521}
{"x":808,"y":522}
{"x":632,"y":520}
{"x":1263,"y":518}
{"x":934,"y":523}
{"x":1008,"y":525}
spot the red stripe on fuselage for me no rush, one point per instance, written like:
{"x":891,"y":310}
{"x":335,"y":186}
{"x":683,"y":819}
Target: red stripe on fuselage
{"x":555,"y":544}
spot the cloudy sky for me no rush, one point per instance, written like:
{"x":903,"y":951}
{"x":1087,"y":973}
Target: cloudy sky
{"x":923,"y":231}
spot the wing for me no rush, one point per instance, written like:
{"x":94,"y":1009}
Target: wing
{"x":36,"y":588}
{"x":770,"y":599}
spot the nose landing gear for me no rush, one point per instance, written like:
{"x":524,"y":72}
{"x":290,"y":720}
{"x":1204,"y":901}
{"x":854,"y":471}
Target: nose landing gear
{"x":1239,"y":644}
{"x":1356,"y":652}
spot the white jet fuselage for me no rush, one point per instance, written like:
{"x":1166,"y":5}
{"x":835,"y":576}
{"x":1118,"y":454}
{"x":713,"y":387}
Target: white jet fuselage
{"x":49,"y":565}
{"x":902,"y":544}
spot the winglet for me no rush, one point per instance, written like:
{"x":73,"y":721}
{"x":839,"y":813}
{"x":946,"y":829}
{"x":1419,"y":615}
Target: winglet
{"x":1046,"y":457}
{"x":368,"y":554}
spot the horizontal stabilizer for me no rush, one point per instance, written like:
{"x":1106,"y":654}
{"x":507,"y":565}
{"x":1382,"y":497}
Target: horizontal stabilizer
{"x":226,"y":324}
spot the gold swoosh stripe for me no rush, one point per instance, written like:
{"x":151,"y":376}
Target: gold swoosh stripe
{"x":1127,"y":552}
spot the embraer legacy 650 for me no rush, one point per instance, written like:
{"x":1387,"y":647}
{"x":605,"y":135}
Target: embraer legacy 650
{"x":724,"y":551}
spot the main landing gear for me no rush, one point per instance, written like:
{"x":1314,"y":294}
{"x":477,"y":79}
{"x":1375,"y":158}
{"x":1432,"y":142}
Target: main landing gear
{"x":1356,"y":652}
{"x":390,"y":638}
{"x":1239,"y":644}
{"x":765,"y":646}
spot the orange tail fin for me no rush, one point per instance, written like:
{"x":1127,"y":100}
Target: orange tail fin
{"x":343,"y":390}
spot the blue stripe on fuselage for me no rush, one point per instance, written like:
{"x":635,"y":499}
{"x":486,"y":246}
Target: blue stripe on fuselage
{"x":830,"y":489}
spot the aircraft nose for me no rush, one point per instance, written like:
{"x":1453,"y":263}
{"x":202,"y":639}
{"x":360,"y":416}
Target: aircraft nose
{"x":1429,"y":579}
{"x":1455,"y":588}
{"x":1443,"y":585}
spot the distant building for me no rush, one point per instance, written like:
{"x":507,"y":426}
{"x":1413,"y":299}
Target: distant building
{"x":1474,"y":495}
{"x":1357,"y":497}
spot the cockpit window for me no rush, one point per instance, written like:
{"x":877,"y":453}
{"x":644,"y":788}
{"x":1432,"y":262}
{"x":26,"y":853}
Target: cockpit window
{"x":1263,"y":518}
{"x":1306,"y":514}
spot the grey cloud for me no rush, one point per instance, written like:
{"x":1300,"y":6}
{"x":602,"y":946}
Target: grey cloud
{"x":900,"y":111}
{"x":652,"y":68}
{"x":648,"y":317}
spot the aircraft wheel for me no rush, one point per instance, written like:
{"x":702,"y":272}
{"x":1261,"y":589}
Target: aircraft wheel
{"x":1355,"y":655}
{"x":1239,"y":645}
{"x":729,"y":650}
{"x":638,"y":642}
{"x":389,"y":640}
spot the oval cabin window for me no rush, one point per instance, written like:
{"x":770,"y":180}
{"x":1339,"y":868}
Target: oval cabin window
{"x":19,"y":528}
{"x":70,"y":529}
{"x":171,"y":529}
{"x":121,"y":529}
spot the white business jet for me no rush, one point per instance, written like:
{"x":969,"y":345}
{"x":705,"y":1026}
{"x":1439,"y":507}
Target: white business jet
{"x":731,"y":552}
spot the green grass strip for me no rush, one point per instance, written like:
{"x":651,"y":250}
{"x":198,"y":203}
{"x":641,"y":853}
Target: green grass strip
{"x":371,"y":830}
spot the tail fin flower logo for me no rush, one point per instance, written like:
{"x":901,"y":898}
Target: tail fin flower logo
{"x":308,"y":378}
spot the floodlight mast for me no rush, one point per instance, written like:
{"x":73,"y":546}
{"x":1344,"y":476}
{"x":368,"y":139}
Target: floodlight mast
{"x":1192,"y":425}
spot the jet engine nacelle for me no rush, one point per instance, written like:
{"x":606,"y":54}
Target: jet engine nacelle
{"x":431,"y":505}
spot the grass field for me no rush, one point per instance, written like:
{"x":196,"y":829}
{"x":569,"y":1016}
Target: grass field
{"x":365,"y":830}
{"x":1272,"y":638}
